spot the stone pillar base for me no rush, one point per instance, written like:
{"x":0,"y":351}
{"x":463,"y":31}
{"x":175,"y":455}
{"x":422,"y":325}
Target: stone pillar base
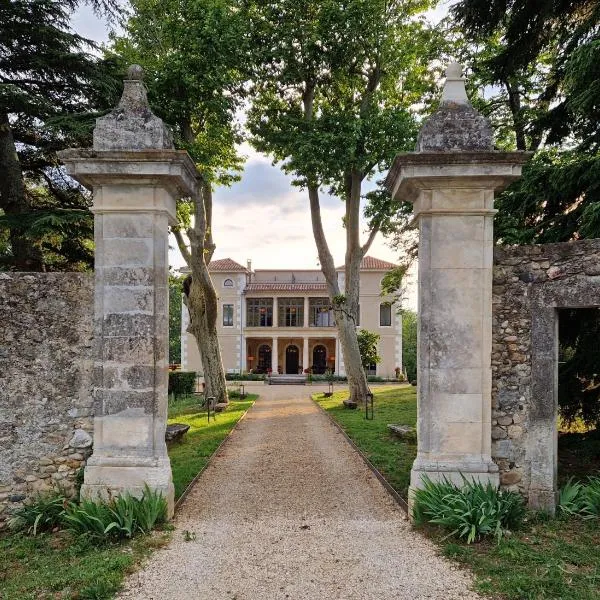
{"x":543,"y":500}
{"x":105,"y":481}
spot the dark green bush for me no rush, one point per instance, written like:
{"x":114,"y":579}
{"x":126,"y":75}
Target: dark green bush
{"x":375,"y":379}
{"x":471,"y":512}
{"x":42,"y":513}
{"x":329,"y":378}
{"x":182,"y":383}
{"x":244,"y":377}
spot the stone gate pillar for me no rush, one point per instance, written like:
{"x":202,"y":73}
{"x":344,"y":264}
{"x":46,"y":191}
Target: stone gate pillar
{"x":451,"y":180}
{"x":136,"y":177}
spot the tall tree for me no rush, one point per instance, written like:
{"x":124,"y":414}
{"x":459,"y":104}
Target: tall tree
{"x":51,"y":88}
{"x":331,"y":102}
{"x":540,"y":59}
{"x":193,"y":52}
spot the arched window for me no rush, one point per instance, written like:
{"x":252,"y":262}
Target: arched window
{"x":385,"y":315}
{"x":228,"y":283}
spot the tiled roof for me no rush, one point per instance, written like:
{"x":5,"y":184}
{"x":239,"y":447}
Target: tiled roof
{"x":370,"y":263}
{"x":286,"y":287}
{"x":226,"y":265}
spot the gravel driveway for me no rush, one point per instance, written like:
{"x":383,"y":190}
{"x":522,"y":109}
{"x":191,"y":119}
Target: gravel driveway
{"x":288,"y":510}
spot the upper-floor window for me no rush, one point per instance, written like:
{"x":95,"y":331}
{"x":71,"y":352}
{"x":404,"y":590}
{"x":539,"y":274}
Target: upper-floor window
{"x":385,"y":315}
{"x":227,"y":315}
{"x":228,"y":283}
{"x":259,"y":312}
{"x":291,"y":312}
{"x":320,"y":313}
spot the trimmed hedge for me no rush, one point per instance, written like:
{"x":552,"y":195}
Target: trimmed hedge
{"x":244,"y":377}
{"x":182,"y":383}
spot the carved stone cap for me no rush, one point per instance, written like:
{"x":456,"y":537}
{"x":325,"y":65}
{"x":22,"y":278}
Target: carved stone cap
{"x":456,"y":126}
{"x":132,"y":125}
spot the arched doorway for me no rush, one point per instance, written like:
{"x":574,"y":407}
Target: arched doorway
{"x":319,"y":360}
{"x":292,"y":359}
{"x":264,"y":359}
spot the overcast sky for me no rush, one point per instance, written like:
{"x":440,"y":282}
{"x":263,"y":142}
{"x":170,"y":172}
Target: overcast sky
{"x":263,"y":217}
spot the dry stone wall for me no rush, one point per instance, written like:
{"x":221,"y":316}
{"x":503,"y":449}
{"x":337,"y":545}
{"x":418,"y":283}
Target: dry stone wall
{"x":46,"y":407}
{"x":524,"y":275}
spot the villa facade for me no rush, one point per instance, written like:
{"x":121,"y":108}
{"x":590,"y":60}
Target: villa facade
{"x":281,"y":320}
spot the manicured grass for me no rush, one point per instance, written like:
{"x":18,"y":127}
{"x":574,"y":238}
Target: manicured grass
{"x":548,"y":559}
{"x":554,"y":559}
{"x":190,"y":456}
{"x":392,"y":457}
{"x":57,"y":566}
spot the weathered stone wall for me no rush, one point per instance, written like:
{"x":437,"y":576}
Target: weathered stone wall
{"x":522,"y":274}
{"x":46,"y":328}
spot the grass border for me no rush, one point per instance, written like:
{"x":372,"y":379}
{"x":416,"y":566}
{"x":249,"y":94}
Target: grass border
{"x":193,"y":482}
{"x":390,"y":490}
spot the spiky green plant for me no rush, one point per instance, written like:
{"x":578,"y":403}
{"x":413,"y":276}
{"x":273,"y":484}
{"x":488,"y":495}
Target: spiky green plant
{"x":570,"y":498}
{"x":471,"y":511}
{"x":42,"y":513}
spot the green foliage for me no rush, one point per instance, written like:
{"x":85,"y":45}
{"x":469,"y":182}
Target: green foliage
{"x":557,"y":200}
{"x":244,"y":377}
{"x":53,"y":87}
{"x":62,"y":566}
{"x":347,"y":59}
{"x":578,"y":370}
{"x":538,"y":65}
{"x":581,"y":499}
{"x":196,"y":59}
{"x":471,"y":511}
{"x":569,"y":498}
{"x":42,"y":513}
{"x":409,"y":343}
{"x":175,"y":306}
{"x":367,"y":345}
{"x":182,"y":383}
{"x":121,"y":518}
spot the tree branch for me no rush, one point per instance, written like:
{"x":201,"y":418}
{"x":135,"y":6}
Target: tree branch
{"x":367,"y":244}
{"x":185,"y":253}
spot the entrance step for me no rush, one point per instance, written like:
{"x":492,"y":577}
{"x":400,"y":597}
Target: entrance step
{"x":287,"y":380}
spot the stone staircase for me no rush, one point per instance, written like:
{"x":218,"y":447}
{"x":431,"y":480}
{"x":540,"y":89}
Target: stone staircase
{"x":287,"y":380}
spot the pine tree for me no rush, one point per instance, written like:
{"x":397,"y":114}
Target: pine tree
{"x":51,"y":87}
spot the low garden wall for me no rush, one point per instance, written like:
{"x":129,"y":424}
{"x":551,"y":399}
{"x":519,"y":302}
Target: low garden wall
{"x":46,"y":408}
{"x":530,"y":282}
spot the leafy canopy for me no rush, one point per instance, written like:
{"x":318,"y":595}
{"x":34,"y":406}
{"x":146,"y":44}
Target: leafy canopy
{"x":336,"y":84}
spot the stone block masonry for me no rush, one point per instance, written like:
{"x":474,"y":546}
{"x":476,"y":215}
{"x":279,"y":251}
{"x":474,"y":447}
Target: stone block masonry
{"x":46,"y":367}
{"x":529,"y":284}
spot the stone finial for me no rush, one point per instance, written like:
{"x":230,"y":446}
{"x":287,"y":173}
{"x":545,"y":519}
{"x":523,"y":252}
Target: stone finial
{"x":132,"y":125}
{"x":454,"y":88}
{"x":456,"y":126}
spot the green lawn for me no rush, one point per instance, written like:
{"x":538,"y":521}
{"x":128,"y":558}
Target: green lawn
{"x":59,"y":567}
{"x":190,"y":456}
{"x":56,"y":566}
{"x":548,"y":559}
{"x":392,"y":457}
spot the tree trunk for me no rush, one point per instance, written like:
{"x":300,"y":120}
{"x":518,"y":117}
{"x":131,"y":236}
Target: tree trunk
{"x":13,"y":200}
{"x":345,"y":315}
{"x":202,"y":299}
